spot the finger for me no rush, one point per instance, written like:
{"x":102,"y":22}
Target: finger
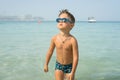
{"x":70,"y":78}
{"x":46,"y":70}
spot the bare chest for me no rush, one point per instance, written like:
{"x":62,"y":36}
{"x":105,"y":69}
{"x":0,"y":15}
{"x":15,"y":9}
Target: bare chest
{"x":64,"y":46}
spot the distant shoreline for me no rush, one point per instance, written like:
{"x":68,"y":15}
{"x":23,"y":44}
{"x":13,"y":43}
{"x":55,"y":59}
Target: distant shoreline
{"x":54,"y":21}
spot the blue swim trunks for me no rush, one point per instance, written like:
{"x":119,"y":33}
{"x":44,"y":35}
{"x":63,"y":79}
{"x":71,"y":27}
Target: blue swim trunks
{"x":65,"y":68}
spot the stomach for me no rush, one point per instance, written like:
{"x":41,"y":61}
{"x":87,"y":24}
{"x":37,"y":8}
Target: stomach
{"x":65,"y":60}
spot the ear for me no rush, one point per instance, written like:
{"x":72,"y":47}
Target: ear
{"x":71,"y":25}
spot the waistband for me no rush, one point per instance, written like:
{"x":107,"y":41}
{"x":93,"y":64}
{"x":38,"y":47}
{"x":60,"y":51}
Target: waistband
{"x":63,"y":64}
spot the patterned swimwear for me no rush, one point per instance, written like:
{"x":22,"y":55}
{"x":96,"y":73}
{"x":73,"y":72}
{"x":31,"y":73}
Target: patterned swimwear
{"x":65,"y":68}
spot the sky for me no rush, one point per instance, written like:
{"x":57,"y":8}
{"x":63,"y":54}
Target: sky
{"x":102,"y":10}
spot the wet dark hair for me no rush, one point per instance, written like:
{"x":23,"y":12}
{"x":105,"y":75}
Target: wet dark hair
{"x":68,"y":13}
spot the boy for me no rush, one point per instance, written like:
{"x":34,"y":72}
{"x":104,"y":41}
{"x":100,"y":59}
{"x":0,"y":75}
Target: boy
{"x":66,"y":48}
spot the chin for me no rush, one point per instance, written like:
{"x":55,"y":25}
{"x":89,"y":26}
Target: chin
{"x":60,"y":27}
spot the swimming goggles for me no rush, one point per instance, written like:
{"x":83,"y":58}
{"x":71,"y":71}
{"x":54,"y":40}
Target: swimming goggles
{"x":63,"y":20}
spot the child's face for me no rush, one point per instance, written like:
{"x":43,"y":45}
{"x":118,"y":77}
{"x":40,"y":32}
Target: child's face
{"x":64,"y":24}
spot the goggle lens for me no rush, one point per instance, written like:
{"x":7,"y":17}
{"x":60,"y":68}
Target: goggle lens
{"x":63,"y":20}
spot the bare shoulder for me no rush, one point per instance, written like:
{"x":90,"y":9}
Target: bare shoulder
{"x":54,"y":38}
{"x":73,"y":39}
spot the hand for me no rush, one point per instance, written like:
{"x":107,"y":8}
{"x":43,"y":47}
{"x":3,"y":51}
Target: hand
{"x":71,"y":76}
{"x":45,"y":68}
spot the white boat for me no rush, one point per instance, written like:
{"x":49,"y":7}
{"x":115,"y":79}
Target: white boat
{"x":91,"y":20}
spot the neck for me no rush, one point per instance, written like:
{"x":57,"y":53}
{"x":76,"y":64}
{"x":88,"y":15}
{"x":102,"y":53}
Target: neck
{"x":64,"y":34}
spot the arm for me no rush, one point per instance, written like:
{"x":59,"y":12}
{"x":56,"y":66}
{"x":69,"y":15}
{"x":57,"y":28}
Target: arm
{"x":75,"y":55}
{"x":49,"y":54}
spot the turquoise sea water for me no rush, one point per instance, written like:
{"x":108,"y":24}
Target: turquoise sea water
{"x":23,"y":46}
